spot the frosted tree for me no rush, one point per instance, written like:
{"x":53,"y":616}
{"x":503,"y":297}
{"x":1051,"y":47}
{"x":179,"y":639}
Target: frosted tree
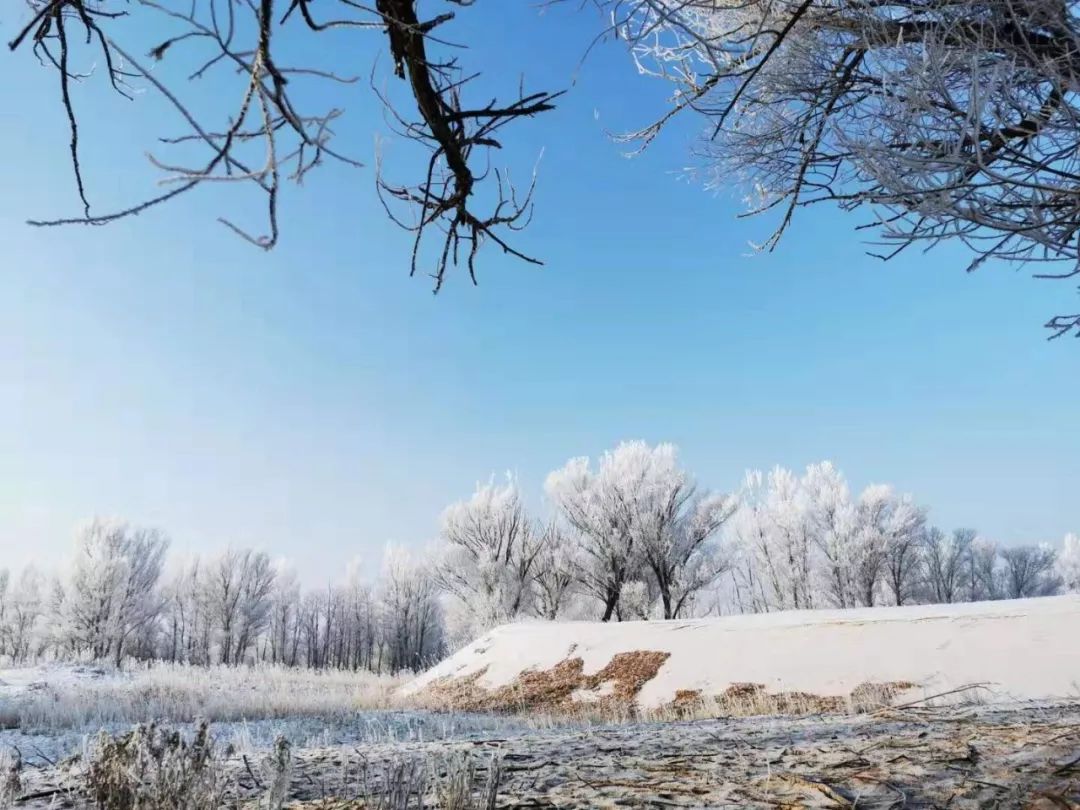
{"x":25,"y":609}
{"x":5,"y":582}
{"x":638,"y":601}
{"x":790,"y":516}
{"x":1069,"y":563}
{"x":904,"y":565}
{"x":189,"y":627}
{"x":756,"y":584}
{"x":362,"y":621}
{"x":1029,"y":571}
{"x":112,"y":594}
{"x":492,"y":555}
{"x":284,"y":622}
{"x":411,"y":618}
{"x":639,"y":513}
{"x":672,"y":523}
{"x":951,"y":120}
{"x":833,"y":518}
{"x":596,"y":505}
{"x":772,"y":542}
{"x":256,"y":593}
{"x":944,"y":559}
{"x":556,"y":571}
{"x":986,"y":580}
{"x":888,"y":530}
{"x":687,"y":558}
{"x":238,"y":589}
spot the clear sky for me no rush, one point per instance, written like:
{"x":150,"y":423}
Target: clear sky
{"x":317,"y":402}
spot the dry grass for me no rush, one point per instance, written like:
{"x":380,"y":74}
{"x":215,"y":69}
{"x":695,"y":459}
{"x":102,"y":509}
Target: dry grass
{"x":10,"y":778}
{"x":179,"y":693}
{"x":151,"y":768}
{"x":610,"y":695}
{"x":563,"y":689}
{"x":754,"y":699}
{"x":154,"y":769}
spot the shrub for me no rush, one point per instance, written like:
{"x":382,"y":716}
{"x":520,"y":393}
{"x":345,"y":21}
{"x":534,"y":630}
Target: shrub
{"x":152,"y":768}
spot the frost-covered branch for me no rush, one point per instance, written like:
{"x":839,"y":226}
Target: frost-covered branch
{"x":949,"y":120}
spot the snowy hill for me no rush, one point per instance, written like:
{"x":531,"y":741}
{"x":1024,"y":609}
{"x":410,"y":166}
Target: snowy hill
{"x":1022,"y":649}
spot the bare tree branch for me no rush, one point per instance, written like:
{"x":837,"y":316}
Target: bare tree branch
{"x":235,"y":38}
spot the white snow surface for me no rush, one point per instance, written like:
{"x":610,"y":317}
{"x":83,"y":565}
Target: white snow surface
{"x":1022,"y":649}
{"x":18,"y":681}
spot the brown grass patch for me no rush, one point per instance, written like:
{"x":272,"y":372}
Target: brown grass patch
{"x":748,"y":699}
{"x":565,"y":688}
{"x":611,"y":693}
{"x":867,"y":697}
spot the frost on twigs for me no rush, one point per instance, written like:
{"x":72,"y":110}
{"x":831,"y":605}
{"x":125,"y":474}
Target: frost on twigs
{"x":154,"y":768}
{"x":952,"y":121}
{"x":11,"y":765}
{"x":273,"y":125}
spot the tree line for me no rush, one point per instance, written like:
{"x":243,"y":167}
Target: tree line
{"x":630,"y":537}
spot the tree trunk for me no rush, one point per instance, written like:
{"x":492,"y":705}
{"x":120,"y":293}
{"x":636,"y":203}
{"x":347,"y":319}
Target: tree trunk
{"x":610,"y":603}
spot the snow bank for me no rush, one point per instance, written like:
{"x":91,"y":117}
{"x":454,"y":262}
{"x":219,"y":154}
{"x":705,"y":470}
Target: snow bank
{"x":1024,"y":649}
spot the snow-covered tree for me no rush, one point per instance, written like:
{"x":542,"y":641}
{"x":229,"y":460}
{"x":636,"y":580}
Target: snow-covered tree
{"x":985,"y":578}
{"x":284,"y":622}
{"x":238,"y":589}
{"x":888,"y":529}
{"x":5,"y":582}
{"x":639,"y":513}
{"x":833,"y":518}
{"x":904,"y":566}
{"x":412,"y":626}
{"x":673,"y":525}
{"x":597,"y":506}
{"x":1029,"y":571}
{"x":22,"y":607}
{"x":772,"y":543}
{"x":954,"y":119}
{"x":1069,"y":563}
{"x":556,"y":572}
{"x":944,"y":559}
{"x":491,"y":558}
{"x":112,"y":594}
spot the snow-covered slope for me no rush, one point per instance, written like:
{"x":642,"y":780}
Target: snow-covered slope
{"x":1025,"y":649}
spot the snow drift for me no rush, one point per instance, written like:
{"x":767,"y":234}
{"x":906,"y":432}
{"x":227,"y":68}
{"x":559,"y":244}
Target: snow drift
{"x":1021,"y":649}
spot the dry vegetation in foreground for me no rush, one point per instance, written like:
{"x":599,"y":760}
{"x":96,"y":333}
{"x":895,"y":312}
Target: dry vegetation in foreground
{"x":181,"y":693}
{"x":964,"y":758}
{"x":155,"y":768}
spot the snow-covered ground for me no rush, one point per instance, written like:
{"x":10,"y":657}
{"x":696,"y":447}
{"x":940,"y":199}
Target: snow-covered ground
{"x":1022,"y":649}
{"x":52,"y":708}
{"x":62,"y":696}
{"x":49,"y":712}
{"x":17,"y":682}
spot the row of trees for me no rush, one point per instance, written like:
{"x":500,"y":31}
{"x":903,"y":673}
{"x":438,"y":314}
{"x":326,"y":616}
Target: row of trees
{"x":116,"y":601}
{"x":630,"y":537}
{"x":635,"y":537}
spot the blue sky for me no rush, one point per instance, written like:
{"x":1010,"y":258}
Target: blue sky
{"x":317,"y":402}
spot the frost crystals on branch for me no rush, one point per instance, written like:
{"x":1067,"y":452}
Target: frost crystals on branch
{"x":951,"y":120}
